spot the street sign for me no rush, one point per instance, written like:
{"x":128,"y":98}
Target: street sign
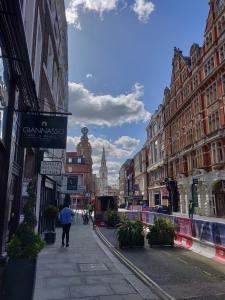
{"x":51,"y":168}
{"x":40,"y":131}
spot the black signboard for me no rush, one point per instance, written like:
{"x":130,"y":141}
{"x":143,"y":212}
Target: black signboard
{"x":195,"y":180}
{"x":40,"y":131}
{"x":72,"y":182}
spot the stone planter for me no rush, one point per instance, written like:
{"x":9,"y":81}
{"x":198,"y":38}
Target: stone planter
{"x":50,"y":237}
{"x":20,"y":278}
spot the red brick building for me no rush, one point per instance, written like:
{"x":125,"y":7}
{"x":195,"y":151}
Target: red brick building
{"x":195,"y":119}
{"x":78,"y":169}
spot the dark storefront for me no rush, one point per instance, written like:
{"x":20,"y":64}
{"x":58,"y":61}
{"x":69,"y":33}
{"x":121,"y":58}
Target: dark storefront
{"x":17,"y":93}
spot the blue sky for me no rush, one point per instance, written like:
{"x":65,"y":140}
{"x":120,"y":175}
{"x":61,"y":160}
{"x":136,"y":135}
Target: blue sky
{"x":120,"y":54}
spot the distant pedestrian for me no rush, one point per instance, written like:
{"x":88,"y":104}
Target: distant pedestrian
{"x":191,"y":209}
{"x":66,"y":218}
{"x":90,"y":208}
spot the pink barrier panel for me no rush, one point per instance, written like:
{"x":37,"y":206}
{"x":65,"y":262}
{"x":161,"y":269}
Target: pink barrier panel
{"x":183,"y":225}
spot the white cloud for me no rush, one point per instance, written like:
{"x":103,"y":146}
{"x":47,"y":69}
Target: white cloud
{"x":127,"y":142}
{"x":107,"y":110}
{"x":143,"y":9}
{"x":89,"y":75}
{"x":99,"y":6}
{"x":114,"y":152}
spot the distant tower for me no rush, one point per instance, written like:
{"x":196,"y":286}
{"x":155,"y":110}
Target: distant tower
{"x":84,"y":147}
{"x":103,"y":174}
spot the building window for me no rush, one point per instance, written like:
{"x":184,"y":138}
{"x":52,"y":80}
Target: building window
{"x":208,"y":40}
{"x":221,"y":25}
{"x":217,"y":152}
{"x":70,"y":160}
{"x":199,"y":158}
{"x":222,"y":52}
{"x":4,"y":81}
{"x":38,"y":51}
{"x":50,"y":60}
{"x":219,"y":5}
{"x":79,"y":160}
{"x":195,"y":81}
{"x":198,"y":132}
{"x":209,"y":66}
{"x":223,"y":83}
{"x":211,"y":93}
{"x":214,"y":122}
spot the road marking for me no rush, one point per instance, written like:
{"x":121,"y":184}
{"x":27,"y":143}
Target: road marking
{"x":207,"y":273}
{"x":182,"y":260}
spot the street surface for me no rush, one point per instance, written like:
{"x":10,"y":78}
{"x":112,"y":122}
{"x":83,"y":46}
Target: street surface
{"x":85,"y":270}
{"x":181,"y":273}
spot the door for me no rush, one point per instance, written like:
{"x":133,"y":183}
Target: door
{"x":220,"y":204}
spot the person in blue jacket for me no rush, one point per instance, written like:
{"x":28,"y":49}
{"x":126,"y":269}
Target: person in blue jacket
{"x":66,"y":218}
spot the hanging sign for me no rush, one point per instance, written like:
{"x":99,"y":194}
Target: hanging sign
{"x":51,"y":168}
{"x":40,"y":131}
{"x":72,"y":182}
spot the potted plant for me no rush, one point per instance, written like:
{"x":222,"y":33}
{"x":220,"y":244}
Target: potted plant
{"x":130,"y":233}
{"x":161,"y":232}
{"x":51,"y":212}
{"x":112,"y":218}
{"x":22,"y":251}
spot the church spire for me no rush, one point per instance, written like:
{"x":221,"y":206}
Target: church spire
{"x":103,"y":174}
{"x":103,"y":161}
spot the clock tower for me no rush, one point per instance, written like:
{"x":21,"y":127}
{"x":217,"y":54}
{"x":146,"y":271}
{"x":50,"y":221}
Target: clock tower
{"x":84,"y":147}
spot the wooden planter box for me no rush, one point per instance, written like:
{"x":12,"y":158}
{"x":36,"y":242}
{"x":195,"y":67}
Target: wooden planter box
{"x":161,"y":241}
{"x":137,"y":244}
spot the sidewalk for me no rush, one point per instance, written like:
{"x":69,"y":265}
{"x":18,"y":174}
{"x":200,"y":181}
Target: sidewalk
{"x":85,"y":270}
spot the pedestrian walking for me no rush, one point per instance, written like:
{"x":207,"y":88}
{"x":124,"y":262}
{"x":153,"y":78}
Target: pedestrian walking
{"x":90,"y":209}
{"x":66,"y":218}
{"x":191,"y":209}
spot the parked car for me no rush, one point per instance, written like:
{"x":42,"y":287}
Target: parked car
{"x":162,"y":209}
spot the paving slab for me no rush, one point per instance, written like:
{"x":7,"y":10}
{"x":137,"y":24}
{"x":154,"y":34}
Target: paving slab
{"x":85,"y":270}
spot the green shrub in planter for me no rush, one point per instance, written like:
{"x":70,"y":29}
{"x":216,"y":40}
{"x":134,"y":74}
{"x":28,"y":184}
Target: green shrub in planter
{"x":112,"y":218}
{"x":51,"y":212}
{"x":22,"y":250}
{"x":161,"y":232}
{"x":130,"y":234}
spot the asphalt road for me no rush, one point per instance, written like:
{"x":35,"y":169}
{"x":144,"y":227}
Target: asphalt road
{"x":181,"y":273}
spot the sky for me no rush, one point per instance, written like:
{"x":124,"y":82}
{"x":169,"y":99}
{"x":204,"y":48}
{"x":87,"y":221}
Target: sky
{"x":120,"y":56}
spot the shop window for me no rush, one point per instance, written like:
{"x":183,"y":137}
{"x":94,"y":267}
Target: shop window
{"x":4,"y":80}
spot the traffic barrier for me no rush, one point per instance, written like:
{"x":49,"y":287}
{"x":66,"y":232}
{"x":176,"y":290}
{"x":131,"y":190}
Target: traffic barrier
{"x":203,"y":237}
